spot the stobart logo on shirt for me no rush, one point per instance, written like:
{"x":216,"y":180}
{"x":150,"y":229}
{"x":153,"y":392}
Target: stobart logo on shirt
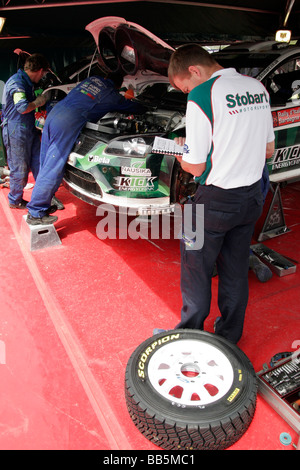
{"x":244,"y":100}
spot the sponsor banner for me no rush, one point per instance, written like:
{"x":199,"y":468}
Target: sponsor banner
{"x":284,"y":117}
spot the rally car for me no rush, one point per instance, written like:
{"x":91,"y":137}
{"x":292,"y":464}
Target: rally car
{"x":113,"y":160}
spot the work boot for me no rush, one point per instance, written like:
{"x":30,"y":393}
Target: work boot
{"x":20,"y":205}
{"x":157,"y":331}
{"x":261,"y":270}
{"x":52,"y":209}
{"x":215,"y":323}
{"x":45,"y":220}
{"x":56,"y":202}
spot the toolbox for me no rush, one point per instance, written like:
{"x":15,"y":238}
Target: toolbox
{"x":279,"y":385}
{"x":276,"y":262}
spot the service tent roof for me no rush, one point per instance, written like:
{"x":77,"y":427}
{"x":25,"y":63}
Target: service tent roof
{"x":57,"y":28}
{"x":177,"y":20}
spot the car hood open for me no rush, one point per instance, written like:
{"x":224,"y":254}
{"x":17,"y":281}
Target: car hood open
{"x":126,"y":47}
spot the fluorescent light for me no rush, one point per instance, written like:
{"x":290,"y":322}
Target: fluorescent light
{"x":283,"y":35}
{"x":2,"y":21}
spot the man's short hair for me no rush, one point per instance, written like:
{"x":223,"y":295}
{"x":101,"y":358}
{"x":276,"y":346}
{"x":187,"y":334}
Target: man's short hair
{"x":185,"y":56}
{"x":36,"y":62}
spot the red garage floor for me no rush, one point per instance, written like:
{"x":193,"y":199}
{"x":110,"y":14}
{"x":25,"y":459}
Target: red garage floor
{"x":71,"y":316}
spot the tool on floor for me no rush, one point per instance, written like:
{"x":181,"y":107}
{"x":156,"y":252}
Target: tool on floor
{"x":279,"y":385}
{"x":276,"y":262}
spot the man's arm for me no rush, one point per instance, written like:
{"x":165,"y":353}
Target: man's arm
{"x":197,"y":170}
{"x":270,"y":149}
{"x":194,"y":169}
{"x":37,"y":103}
{"x":20,"y":101}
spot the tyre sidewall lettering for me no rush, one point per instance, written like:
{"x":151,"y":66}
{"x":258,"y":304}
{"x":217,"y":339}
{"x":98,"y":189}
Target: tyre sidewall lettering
{"x":148,"y":352}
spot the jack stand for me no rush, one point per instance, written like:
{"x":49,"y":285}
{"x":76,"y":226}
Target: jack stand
{"x":274,"y":224}
{"x":38,"y":237}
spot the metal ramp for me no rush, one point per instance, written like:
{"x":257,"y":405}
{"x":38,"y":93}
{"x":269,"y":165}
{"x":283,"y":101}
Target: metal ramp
{"x":38,"y":237}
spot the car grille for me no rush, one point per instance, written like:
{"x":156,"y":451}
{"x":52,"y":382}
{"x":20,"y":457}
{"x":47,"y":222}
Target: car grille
{"x":85,"y":144}
{"x":82,"y":179}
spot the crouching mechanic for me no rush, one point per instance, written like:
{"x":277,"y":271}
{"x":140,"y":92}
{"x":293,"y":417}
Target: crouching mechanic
{"x":229,"y":134}
{"x":20,"y":137}
{"x":88,"y":101}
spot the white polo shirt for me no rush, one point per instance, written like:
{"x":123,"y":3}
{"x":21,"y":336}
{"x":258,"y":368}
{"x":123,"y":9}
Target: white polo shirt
{"x":228,"y":126}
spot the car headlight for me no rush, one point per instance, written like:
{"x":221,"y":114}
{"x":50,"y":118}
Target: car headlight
{"x":137,"y":147}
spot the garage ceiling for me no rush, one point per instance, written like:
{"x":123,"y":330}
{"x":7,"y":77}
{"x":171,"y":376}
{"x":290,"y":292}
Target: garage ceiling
{"x":173,"y":20}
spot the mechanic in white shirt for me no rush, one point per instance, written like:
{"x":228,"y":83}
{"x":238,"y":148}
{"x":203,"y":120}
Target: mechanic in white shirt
{"x":229,"y":135}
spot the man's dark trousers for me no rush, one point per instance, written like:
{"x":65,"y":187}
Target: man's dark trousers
{"x":229,"y":219}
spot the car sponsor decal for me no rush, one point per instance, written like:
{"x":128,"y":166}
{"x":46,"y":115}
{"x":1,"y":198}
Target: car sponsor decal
{"x":98,"y":159}
{"x":135,"y":183}
{"x":135,"y":177}
{"x":286,"y":157}
{"x":286,"y":116}
{"x":135,"y":169}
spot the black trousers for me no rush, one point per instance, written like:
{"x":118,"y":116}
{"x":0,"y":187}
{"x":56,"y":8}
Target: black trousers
{"x":229,"y":220}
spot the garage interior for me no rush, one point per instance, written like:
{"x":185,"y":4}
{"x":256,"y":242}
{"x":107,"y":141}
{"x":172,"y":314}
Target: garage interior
{"x":72,"y":314}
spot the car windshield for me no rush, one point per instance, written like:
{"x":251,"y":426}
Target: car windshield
{"x":246,"y":63}
{"x":81,"y":69}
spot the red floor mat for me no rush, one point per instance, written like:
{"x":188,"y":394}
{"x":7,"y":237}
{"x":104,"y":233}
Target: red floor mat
{"x":71,"y":316}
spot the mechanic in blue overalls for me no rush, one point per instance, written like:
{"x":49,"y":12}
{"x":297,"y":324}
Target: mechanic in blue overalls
{"x":20,"y":137}
{"x":88,"y":101}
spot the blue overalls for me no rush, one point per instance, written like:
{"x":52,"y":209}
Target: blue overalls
{"x":88,"y":101}
{"x":20,"y":137}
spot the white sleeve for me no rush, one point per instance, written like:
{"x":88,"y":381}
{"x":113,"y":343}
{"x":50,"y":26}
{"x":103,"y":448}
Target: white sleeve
{"x":198,"y":135}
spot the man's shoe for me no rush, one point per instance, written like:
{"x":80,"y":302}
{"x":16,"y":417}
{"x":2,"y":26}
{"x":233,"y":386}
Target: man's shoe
{"x":215,"y":323}
{"x":20,"y":205}
{"x":45,"y":220}
{"x":56,"y":202}
{"x":53,"y":208}
{"x":157,"y":331}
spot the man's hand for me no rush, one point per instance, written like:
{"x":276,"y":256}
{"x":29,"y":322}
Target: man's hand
{"x":195,"y":170}
{"x":179,"y":141}
{"x":40,"y":101}
{"x":37,"y":103}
